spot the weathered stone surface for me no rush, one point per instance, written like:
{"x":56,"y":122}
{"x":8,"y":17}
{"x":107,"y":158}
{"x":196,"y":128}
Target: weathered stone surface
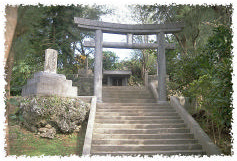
{"x":161,"y":68}
{"x":127,"y":45}
{"x":50,"y":64}
{"x":98,"y":65}
{"x":46,"y":84}
{"x":47,"y":132}
{"x":48,"y":126}
{"x":128,"y":28}
{"x":78,"y":128}
{"x":47,"y":114}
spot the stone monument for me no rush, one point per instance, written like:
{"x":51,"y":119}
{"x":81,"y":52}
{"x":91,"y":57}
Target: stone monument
{"x":48,"y":82}
{"x":50,"y":65}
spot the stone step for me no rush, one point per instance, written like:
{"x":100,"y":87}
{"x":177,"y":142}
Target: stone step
{"x":124,"y":90}
{"x":141,"y":131}
{"x":130,"y":122}
{"x":135,"y":110}
{"x":131,"y":104}
{"x":151,"y":147}
{"x":98,"y":136}
{"x":137,"y":114}
{"x":158,"y":121}
{"x":139,"y":126}
{"x":114,"y":95}
{"x":150,"y":153}
{"x":124,"y":97}
{"x":143,"y":142}
{"x":126,"y":93}
{"x":135,"y":117}
{"x":124,"y":87}
{"x":116,"y":100}
{"x":134,"y":107}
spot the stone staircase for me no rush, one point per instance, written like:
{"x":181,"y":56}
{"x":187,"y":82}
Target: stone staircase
{"x":130,"y":122}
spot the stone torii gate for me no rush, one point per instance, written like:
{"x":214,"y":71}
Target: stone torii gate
{"x":129,"y":29}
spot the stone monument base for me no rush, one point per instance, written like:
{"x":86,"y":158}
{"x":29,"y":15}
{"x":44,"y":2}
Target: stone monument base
{"x":47,"y":84}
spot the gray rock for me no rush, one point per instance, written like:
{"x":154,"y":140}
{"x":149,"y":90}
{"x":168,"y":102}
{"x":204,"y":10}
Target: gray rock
{"x":47,"y":132}
{"x":63,"y":126}
{"x":64,"y":114}
{"x":77,"y":129}
{"x":48,"y":126}
{"x":42,"y":123}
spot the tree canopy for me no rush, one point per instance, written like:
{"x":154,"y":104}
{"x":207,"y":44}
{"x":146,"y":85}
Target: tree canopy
{"x":42,"y":27}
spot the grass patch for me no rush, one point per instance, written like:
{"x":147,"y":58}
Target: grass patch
{"x":23,"y":142}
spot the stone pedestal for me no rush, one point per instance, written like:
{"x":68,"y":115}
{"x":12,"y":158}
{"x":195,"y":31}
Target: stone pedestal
{"x":47,"y":82}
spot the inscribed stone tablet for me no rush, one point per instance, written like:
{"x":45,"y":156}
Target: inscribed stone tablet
{"x":50,"y":64}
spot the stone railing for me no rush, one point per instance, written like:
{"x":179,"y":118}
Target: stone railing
{"x":90,"y":125}
{"x":209,"y":147}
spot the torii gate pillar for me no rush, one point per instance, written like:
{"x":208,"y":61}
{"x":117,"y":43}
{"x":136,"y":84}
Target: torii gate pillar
{"x":162,"y":98}
{"x":98,"y":65}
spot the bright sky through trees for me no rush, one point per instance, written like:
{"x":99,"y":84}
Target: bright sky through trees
{"x":121,"y":14}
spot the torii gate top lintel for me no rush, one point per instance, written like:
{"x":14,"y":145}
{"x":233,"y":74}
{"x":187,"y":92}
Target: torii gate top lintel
{"x":136,"y":29}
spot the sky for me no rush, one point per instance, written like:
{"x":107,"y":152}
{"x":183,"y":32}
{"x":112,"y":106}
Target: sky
{"x":121,"y":14}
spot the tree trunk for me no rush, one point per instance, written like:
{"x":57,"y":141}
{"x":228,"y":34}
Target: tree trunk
{"x":11,"y":17}
{"x":8,"y":72}
{"x":86,"y":65}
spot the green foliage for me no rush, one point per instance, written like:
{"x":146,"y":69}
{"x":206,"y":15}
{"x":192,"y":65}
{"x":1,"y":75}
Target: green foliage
{"x":110,"y":60}
{"x":42,"y":27}
{"x":199,"y":21}
{"x":201,"y":67}
{"x":135,"y":80}
{"x":207,"y":77}
{"x":14,"y":102}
